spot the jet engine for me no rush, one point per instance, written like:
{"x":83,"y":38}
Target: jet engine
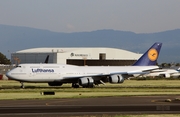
{"x":116,"y":78}
{"x":86,"y":81}
{"x":166,"y":75}
{"x":54,"y":83}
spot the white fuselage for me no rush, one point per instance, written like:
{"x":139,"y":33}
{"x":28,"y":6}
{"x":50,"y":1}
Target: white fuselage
{"x":57,"y":72}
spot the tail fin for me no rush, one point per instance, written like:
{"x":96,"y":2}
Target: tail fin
{"x":150,"y":57}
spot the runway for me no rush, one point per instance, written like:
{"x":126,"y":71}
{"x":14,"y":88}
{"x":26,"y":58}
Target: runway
{"x":93,"y":106}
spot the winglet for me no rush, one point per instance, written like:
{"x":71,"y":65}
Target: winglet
{"x":150,"y":57}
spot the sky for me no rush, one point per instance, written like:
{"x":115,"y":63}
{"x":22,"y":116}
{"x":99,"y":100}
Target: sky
{"x":139,"y":16}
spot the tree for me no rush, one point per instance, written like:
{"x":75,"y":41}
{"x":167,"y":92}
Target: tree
{"x":3,"y":59}
{"x":177,"y":64}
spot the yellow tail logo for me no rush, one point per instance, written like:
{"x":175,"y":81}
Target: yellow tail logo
{"x":152,"y":54}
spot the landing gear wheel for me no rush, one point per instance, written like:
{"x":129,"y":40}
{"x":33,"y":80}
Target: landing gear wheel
{"x":89,"y":86}
{"x":75,"y":85}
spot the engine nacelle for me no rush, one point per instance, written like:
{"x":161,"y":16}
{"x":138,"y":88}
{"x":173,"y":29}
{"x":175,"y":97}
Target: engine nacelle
{"x":116,"y":78}
{"x":55,"y":83}
{"x":166,"y":75}
{"x":86,"y":81}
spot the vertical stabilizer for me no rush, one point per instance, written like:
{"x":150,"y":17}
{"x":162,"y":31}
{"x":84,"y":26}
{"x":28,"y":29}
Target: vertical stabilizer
{"x":150,"y":57}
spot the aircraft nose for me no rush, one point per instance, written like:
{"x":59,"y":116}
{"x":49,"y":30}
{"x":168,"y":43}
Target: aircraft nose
{"x":8,"y":74}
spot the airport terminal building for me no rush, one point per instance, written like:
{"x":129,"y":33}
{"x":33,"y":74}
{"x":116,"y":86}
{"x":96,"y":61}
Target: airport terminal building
{"x":76,"y":56}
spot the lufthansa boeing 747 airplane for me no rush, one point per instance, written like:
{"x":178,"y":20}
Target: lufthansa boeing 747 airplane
{"x":85,"y":76}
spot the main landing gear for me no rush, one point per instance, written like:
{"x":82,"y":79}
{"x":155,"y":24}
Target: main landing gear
{"x":75,"y":85}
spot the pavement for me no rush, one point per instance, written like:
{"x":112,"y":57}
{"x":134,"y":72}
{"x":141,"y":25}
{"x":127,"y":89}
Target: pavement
{"x":163,"y":104}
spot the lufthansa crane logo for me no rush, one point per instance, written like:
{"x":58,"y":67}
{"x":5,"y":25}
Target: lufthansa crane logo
{"x":72,"y":54}
{"x":152,"y":54}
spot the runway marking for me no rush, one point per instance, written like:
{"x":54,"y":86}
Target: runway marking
{"x":159,"y":101}
{"x":153,"y":100}
{"x":56,"y":102}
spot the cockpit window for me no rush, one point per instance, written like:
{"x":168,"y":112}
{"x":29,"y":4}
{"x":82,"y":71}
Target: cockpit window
{"x":18,"y":66}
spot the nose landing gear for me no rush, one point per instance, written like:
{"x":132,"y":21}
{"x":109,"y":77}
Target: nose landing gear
{"x":22,"y":85}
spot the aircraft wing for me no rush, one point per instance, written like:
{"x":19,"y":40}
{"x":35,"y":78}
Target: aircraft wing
{"x":96,"y":75}
{"x":107,"y":74}
{"x":135,"y":72}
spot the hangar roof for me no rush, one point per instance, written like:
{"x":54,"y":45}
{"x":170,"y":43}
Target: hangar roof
{"x":47,"y":50}
{"x":65,"y":50}
{"x":90,"y":53}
